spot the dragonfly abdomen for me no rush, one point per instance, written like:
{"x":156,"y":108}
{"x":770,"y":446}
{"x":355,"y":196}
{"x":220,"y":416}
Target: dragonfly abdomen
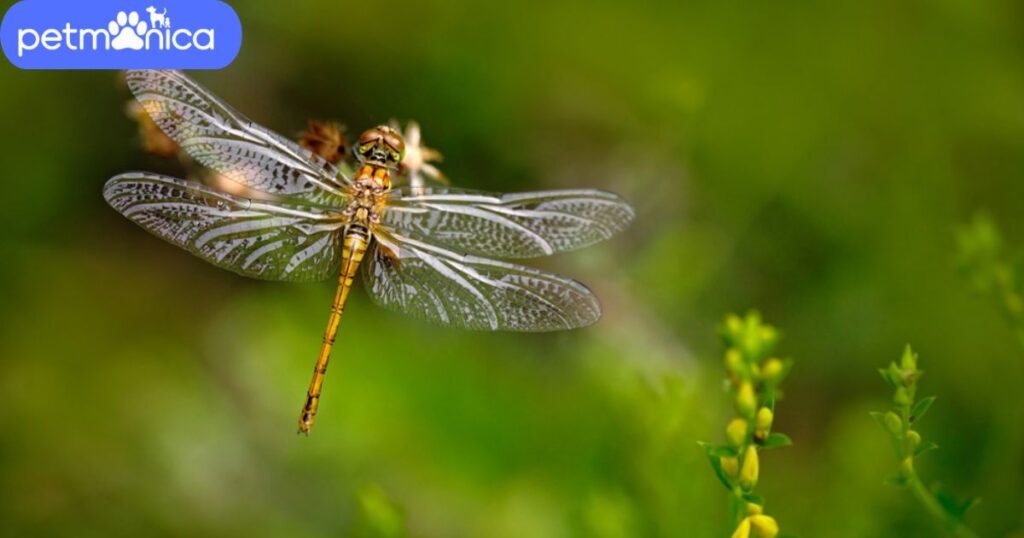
{"x":354,"y":247}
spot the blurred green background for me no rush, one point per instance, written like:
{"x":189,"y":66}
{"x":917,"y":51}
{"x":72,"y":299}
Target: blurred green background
{"x":808,"y":159}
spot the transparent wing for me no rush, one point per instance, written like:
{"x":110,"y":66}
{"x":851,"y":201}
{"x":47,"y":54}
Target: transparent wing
{"x":434,"y":284}
{"x":259,"y":239}
{"x":221,"y":138}
{"x":521,"y":225}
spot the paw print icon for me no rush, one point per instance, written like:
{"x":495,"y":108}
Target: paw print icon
{"x":126,"y":31}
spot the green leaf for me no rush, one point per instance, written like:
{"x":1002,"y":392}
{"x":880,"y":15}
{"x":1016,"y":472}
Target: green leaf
{"x":920,"y":408}
{"x":880,"y":419}
{"x":952,"y":505}
{"x":885,"y":375}
{"x":968,"y":504}
{"x":896,"y":375}
{"x":716,"y":465}
{"x":718,"y":451}
{"x":925,"y":448}
{"x":753,"y":498}
{"x":776,"y":440}
{"x":715,"y":454}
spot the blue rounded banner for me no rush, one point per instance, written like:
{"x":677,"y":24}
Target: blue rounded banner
{"x":121,"y":34}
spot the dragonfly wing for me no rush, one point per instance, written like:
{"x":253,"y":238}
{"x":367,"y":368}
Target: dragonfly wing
{"x":223,"y":139}
{"x":436,"y":285}
{"x":259,"y":239}
{"x":521,"y":225}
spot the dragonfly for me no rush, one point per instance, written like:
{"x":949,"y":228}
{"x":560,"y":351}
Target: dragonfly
{"x":436,"y":254}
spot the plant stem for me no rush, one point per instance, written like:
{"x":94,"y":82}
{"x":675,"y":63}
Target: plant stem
{"x":735,"y":507}
{"x":931,"y":504}
{"x":925,"y":496}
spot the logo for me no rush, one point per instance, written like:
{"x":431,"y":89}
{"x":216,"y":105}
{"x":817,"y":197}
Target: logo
{"x":121,"y":34}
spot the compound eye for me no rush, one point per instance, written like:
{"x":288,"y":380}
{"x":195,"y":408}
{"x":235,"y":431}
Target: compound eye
{"x":370,"y":136}
{"x":395,"y":142}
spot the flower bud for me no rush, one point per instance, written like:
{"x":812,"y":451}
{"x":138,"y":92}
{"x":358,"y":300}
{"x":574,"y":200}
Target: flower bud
{"x":733,"y":325}
{"x":907,"y":466}
{"x":754,"y":509}
{"x":743,"y":530}
{"x":745,"y":401}
{"x":736,"y":431}
{"x":730,"y":465}
{"x":733,"y":361}
{"x":763,"y":423}
{"x":902,"y":397}
{"x":764,"y":526}
{"x":893,"y":423}
{"x":896,"y":374}
{"x":914,"y":440}
{"x":771,"y":370}
{"x":768,"y":335}
{"x":908,"y":362}
{"x":750,"y":469}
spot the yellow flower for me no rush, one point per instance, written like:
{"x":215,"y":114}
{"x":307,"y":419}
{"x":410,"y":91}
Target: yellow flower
{"x":764,"y":526}
{"x":745,"y":400}
{"x":763,"y":423}
{"x":733,"y":324}
{"x":730,"y":466}
{"x":750,"y":469}
{"x":743,"y":530}
{"x":736,"y":431}
{"x":733,"y":361}
{"x":771,"y":370}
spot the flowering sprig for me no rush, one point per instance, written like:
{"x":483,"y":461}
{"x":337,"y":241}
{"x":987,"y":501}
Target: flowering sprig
{"x":993,"y":271}
{"x":899,"y":423}
{"x":754,"y":376}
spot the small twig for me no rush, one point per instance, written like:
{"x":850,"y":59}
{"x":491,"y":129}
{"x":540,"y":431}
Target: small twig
{"x":907,"y":442}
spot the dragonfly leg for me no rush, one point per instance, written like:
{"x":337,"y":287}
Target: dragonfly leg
{"x":356,"y":241}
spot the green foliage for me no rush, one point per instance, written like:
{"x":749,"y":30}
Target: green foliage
{"x":900,"y":424}
{"x":992,"y":271}
{"x":776,"y":440}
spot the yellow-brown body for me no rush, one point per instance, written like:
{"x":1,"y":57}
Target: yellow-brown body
{"x":367,"y":197}
{"x":356,"y":241}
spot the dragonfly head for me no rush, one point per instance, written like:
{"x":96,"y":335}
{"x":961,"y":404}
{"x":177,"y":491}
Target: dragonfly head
{"x":381,"y":146}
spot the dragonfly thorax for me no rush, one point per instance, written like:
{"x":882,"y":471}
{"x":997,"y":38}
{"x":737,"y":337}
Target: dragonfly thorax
{"x":368,"y":195}
{"x":381,"y":146}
